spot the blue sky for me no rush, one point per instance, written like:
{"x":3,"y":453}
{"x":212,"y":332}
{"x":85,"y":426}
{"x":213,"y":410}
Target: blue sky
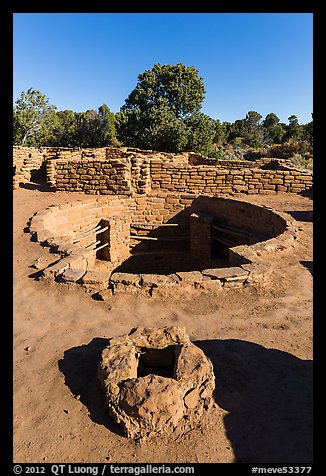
{"x":248,"y":61}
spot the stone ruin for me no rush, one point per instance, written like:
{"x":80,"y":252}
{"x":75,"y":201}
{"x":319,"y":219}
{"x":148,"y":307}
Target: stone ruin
{"x":156,"y":380}
{"x":128,"y":171}
{"x":160,"y":245}
{"x":159,"y":224}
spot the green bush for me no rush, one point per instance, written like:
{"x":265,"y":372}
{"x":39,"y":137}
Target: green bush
{"x":289,"y":149}
{"x":302,"y":162}
{"x":253,"y":155}
{"x":215,"y":153}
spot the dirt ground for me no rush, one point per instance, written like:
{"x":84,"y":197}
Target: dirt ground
{"x":259,"y":340}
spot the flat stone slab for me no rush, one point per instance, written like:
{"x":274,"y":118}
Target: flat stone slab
{"x":96,"y":277}
{"x":125,"y":278}
{"x":156,"y":280}
{"x":156,"y":380}
{"x":190,"y":276}
{"x":72,"y":275}
{"x":225,"y":273}
{"x":57,"y":267}
{"x":104,"y":294}
{"x":260,"y":269}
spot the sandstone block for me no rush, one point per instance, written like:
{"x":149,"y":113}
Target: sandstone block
{"x":57,"y":268}
{"x":96,"y":277}
{"x":190,"y":276}
{"x":125,"y":278}
{"x":104,"y":294}
{"x":71,"y":275}
{"x":268,"y":186}
{"x":277,"y":181}
{"x":155,"y":280}
{"x":210,"y":285}
{"x":156,"y":380}
{"x":225,"y":273}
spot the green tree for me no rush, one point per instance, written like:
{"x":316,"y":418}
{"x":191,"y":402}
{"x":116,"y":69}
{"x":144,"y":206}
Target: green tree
{"x":236,"y":130}
{"x":247,"y":131}
{"x":64,"y":131}
{"x":176,"y":86}
{"x":308,"y":131}
{"x":273,"y":131}
{"x":253,"y":134}
{"x":85,"y":129}
{"x":221,"y":132}
{"x":107,"y":129}
{"x":201,"y":130}
{"x":293,"y":130}
{"x":33,"y":119}
{"x":156,"y":129}
{"x":157,"y":113}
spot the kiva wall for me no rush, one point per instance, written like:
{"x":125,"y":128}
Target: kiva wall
{"x":75,"y":229}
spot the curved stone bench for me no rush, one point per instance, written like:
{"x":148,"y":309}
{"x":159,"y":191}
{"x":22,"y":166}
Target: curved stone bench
{"x":60,"y":226}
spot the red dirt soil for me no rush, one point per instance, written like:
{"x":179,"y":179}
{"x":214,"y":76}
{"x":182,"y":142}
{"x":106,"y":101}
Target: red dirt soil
{"x":259,"y":339}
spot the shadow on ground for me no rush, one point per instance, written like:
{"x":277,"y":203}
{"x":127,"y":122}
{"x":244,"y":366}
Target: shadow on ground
{"x":301,"y":215}
{"x":268,"y":394}
{"x":307,"y":193}
{"x":79,"y":366}
{"x":41,"y":186}
{"x":308,"y":265}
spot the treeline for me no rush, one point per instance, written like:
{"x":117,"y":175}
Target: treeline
{"x":161,"y":113}
{"x":37,"y":123}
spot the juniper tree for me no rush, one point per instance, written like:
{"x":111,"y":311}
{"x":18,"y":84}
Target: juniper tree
{"x":162,"y":110}
{"x":33,"y":118}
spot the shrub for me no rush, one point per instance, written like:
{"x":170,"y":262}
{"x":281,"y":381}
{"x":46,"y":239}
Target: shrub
{"x":290,"y":148}
{"x":302,"y":162}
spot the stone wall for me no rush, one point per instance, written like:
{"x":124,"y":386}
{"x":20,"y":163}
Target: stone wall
{"x":130,"y":171}
{"x":202,"y":179}
{"x":184,"y":229}
{"x":28,"y":164}
{"x":93,"y":176}
{"x":70,"y":229}
{"x":256,"y":222}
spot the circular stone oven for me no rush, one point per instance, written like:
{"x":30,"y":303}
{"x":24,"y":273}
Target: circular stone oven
{"x":156,"y":380}
{"x":160,"y":242}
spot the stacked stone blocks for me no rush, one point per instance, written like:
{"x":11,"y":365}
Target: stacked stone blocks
{"x":129,"y":171}
{"x":61,"y":227}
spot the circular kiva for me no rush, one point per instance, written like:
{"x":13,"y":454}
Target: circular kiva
{"x":156,"y":380}
{"x":161,"y":244}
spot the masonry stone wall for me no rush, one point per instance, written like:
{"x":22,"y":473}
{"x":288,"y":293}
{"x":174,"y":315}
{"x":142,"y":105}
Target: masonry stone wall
{"x":93,"y":176}
{"x":183,"y":228}
{"x":70,"y":229}
{"x":145,"y":206}
{"x":213,"y":180}
{"x":28,"y":163}
{"x":259,"y":223}
{"x":130,"y":171}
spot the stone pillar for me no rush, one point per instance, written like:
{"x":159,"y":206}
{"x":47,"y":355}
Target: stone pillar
{"x":118,"y":237}
{"x":104,"y":237}
{"x":50,"y":170}
{"x":200,"y":235}
{"x":140,"y":175}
